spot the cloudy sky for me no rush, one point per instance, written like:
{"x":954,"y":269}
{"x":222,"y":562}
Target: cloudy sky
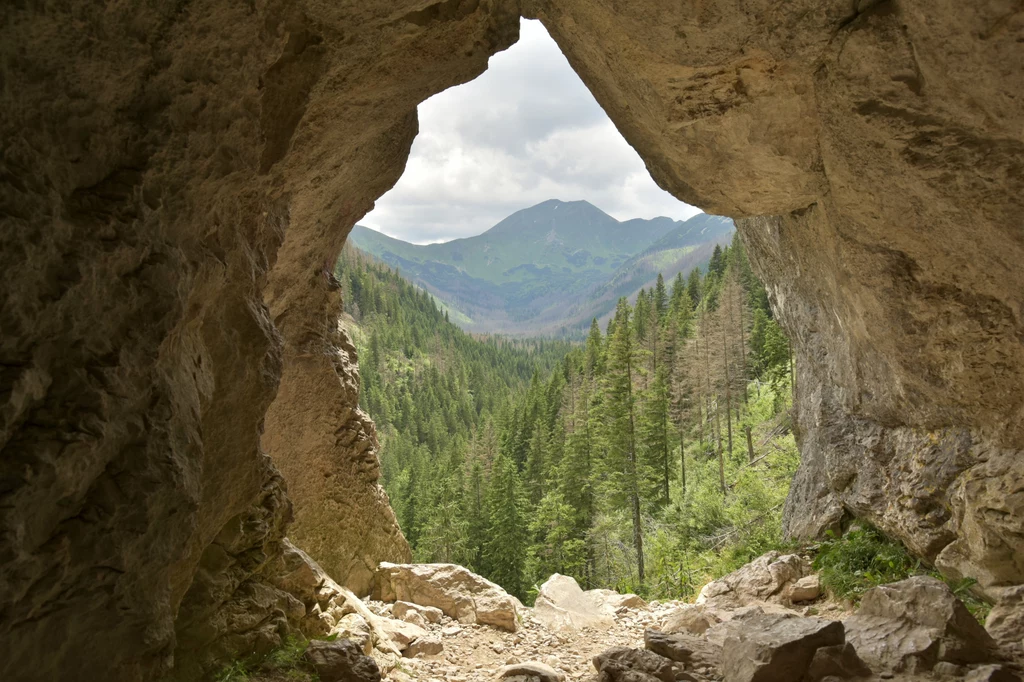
{"x":525,"y":131}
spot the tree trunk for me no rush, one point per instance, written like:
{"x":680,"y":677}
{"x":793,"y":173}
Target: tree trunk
{"x":750,"y":444}
{"x":682,"y":457}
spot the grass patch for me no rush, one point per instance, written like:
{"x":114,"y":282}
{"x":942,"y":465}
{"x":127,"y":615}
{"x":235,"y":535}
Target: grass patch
{"x":864,"y":558}
{"x":286,"y":662}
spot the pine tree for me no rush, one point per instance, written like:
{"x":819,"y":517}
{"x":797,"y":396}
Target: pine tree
{"x":693,"y":287}
{"x":620,"y":424}
{"x":505,"y":550}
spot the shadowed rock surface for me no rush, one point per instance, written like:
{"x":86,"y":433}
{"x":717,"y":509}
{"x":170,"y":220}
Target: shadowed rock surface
{"x":175,"y":180}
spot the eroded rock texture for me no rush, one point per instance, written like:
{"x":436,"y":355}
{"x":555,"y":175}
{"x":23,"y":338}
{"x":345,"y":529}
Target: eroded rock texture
{"x":177,"y":178}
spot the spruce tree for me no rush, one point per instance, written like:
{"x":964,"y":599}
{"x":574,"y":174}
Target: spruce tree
{"x":506,"y":548}
{"x":620,"y":425}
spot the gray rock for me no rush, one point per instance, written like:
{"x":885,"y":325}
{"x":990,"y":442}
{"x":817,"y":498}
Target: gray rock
{"x":1005,"y":621}
{"x":341,"y":661}
{"x":622,"y":664}
{"x":915,"y":623}
{"x":839,"y":660}
{"x":529,"y":671}
{"x":678,"y":648}
{"x":772,"y":647}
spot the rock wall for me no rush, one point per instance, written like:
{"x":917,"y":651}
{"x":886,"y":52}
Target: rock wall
{"x":176,"y":180}
{"x":885,"y":139}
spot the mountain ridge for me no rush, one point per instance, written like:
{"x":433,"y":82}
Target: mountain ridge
{"x":536,"y":270}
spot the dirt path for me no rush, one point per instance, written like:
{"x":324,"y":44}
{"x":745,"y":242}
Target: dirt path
{"x":472,"y":653}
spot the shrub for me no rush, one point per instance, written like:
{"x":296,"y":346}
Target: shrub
{"x":861,"y":559}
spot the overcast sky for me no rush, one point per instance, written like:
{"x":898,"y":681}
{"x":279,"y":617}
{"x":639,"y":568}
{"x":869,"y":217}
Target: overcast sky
{"x":525,"y":131}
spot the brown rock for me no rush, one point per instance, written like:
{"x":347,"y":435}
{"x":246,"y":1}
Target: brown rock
{"x":458,"y":592}
{"x":1005,"y":621}
{"x":915,"y":623}
{"x":692,"y":618}
{"x":678,"y":648}
{"x":341,"y":661}
{"x":429,"y":614}
{"x":425,"y":646}
{"x":171,"y":205}
{"x":807,"y":588}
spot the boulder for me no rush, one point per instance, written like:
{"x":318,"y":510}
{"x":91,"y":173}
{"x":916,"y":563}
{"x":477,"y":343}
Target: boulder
{"x":612,"y":603}
{"x":456,"y":591}
{"x":402,"y":609}
{"x":766,"y":578}
{"x":913,"y":624}
{"x":426,"y":646}
{"x":678,"y":648}
{"x":733,"y":622}
{"x":530,"y":671}
{"x":774,"y":647}
{"x":807,"y":588}
{"x":1005,"y":622}
{"x":400,"y":632}
{"x":341,"y":661}
{"x":623,"y":664}
{"x":354,"y":627}
{"x":562,"y":605}
{"x":839,"y":660}
{"x":695,"y":619}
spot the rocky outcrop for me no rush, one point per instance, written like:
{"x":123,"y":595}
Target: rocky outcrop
{"x":912,"y":625}
{"x":176,"y":180}
{"x":456,"y":591}
{"x":327,"y":451}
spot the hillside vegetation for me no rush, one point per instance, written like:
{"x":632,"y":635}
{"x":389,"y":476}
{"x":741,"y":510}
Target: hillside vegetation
{"x":549,"y":268}
{"x":651,"y":457}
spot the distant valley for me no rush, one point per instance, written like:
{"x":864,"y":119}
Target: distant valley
{"x":550,"y":268}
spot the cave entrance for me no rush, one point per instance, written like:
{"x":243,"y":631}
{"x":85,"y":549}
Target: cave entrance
{"x":479,"y":228}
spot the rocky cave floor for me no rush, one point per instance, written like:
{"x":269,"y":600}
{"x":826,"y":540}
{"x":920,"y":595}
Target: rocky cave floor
{"x":768,"y":621}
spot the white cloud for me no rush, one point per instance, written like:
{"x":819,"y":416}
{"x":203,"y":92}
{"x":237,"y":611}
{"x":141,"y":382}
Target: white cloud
{"x":525,"y":131}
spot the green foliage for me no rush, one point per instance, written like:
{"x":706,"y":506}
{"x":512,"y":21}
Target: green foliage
{"x":622,"y":461}
{"x":286,"y":661}
{"x":861,"y":559}
{"x":549,"y":268}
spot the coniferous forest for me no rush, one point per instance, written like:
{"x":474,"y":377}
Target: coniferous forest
{"x":650,"y":458}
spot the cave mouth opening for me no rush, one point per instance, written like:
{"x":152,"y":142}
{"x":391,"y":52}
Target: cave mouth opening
{"x":528,"y":131}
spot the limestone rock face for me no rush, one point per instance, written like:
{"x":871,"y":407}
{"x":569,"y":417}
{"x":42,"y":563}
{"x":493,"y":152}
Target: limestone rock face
{"x":327,"y":451}
{"x":176,"y":181}
{"x":457,"y":591}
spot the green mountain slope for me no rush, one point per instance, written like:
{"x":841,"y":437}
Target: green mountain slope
{"x":688,"y":246}
{"x":527,"y":272}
